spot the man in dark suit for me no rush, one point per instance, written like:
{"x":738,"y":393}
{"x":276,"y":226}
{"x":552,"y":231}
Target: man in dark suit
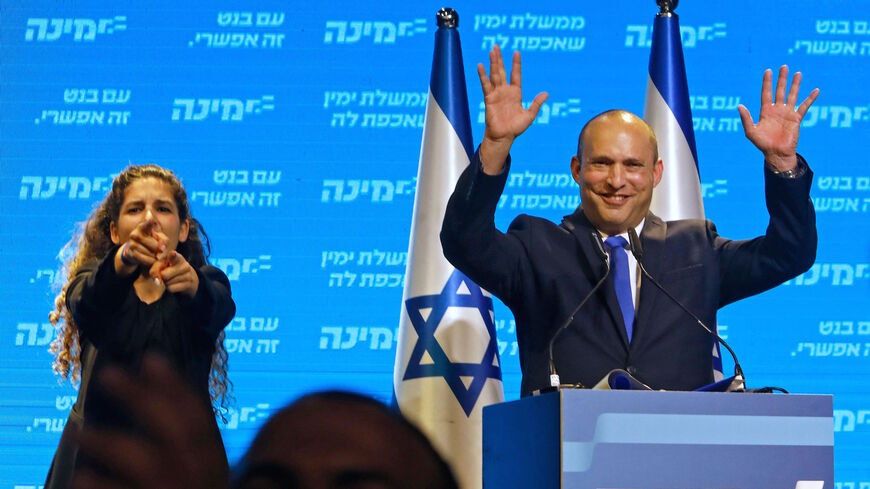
{"x":541,"y":271}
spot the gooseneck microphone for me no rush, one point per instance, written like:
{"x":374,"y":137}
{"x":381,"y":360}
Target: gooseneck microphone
{"x":739,"y":383}
{"x":599,"y":247}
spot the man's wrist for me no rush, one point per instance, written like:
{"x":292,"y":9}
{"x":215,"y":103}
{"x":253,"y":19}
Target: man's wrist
{"x":781,"y":164}
{"x":796,"y":171}
{"x":493,"y":155}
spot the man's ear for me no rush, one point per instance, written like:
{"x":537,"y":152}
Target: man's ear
{"x":576,"y":165}
{"x":658,"y":169}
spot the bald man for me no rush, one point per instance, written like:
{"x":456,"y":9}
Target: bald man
{"x":541,"y":270}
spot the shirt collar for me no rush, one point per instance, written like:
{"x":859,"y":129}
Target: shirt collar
{"x":637,"y":229}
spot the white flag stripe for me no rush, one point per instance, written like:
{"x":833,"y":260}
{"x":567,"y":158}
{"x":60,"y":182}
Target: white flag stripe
{"x":442,"y":160}
{"x":678,"y":196}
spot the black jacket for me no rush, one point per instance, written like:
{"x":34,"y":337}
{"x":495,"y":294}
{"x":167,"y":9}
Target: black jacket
{"x":541,"y":271}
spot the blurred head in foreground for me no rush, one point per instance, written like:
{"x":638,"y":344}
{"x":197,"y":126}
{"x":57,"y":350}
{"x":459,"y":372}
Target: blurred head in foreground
{"x":341,"y":440}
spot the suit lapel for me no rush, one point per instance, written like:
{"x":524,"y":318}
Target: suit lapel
{"x":578,"y":225}
{"x":652,"y":239}
{"x":583,"y":230}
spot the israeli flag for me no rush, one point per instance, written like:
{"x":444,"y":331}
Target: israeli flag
{"x":668,"y":111}
{"x":447,"y":366}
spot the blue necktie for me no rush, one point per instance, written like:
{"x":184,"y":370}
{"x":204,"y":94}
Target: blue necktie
{"x":621,"y":279}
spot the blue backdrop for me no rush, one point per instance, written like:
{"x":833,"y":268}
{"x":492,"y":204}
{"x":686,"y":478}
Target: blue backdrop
{"x":296,"y":129}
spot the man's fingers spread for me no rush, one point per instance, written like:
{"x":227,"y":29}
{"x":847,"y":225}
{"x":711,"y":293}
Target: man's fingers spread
{"x":484,"y":80}
{"x":537,"y":103}
{"x":746,"y":119}
{"x":494,"y":61}
{"x":805,"y":106}
{"x":502,"y":73}
{"x":781,"y":81}
{"x":516,"y":70}
{"x":793,"y":91}
{"x":766,"y":90}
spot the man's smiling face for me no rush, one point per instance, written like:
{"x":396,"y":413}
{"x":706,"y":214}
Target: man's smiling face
{"x":617,"y":170}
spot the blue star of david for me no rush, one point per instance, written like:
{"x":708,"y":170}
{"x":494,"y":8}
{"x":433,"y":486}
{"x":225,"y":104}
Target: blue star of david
{"x":441,"y":366}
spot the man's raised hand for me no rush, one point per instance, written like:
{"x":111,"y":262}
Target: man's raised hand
{"x":776,"y":133}
{"x":505,"y":116}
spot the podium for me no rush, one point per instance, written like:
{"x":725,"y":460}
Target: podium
{"x":656,"y":440}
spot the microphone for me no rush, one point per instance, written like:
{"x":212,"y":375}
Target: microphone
{"x":599,"y":248}
{"x":738,"y":384}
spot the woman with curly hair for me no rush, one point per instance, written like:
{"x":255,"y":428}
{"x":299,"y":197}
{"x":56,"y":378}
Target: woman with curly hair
{"x":139,"y":282}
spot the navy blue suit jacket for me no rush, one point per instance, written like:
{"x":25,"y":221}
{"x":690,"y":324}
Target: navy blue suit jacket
{"x":541,"y":271}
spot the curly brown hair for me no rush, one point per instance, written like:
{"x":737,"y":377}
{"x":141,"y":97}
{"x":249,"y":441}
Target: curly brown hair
{"x":93,"y":241}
